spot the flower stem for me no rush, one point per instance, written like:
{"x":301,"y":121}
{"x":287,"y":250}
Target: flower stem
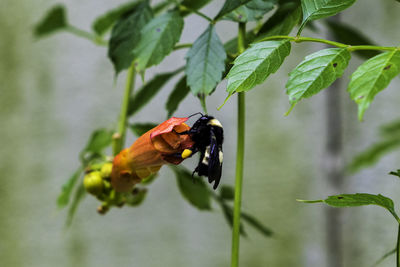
{"x":119,"y":136}
{"x":239,"y":160}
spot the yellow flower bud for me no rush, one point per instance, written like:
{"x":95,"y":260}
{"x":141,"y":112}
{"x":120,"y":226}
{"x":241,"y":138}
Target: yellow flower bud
{"x":106,"y":170}
{"x":93,"y":183}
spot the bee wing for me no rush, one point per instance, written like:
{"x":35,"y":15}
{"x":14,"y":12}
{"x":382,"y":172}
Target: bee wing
{"x":214,"y":164}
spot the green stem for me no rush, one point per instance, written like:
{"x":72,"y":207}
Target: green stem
{"x":239,"y":160}
{"x":87,"y":35}
{"x":185,"y":8}
{"x":398,"y":248}
{"x":182,"y":46}
{"x":299,"y":39}
{"x":119,"y":136}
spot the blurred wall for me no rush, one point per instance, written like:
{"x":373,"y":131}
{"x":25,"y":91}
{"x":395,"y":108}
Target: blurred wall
{"x":55,"y":91}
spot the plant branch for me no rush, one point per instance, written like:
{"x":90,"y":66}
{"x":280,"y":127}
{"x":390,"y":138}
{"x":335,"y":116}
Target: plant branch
{"x":398,"y":248}
{"x":182,"y":46}
{"x":87,"y":35}
{"x":239,"y":159}
{"x":299,"y":39}
{"x":119,"y":136}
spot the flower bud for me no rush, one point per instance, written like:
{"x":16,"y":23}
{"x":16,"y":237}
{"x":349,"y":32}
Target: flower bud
{"x":106,"y":170}
{"x":93,"y":183}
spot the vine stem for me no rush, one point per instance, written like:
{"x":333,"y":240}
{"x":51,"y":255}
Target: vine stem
{"x":119,"y":136}
{"x":239,"y":159}
{"x":398,"y":248}
{"x":299,"y":39}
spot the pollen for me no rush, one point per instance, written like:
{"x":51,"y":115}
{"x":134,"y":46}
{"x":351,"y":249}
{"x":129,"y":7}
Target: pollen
{"x":186,"y":153}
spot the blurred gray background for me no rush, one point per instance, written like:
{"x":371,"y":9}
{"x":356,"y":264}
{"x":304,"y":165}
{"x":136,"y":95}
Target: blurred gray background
{"x":55,"y":91}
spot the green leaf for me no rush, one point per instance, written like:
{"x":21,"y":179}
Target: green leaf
{"x":141,"y":128}
{"x":358,"y":199}
{"x":317,"y":9}
{"x":344,"y":33}
{"x":66,"y":190}
{"x":255,"y":64}
{"x":158,"y":39}
{"x":104,"y":22}
{"x":136,"y":197}
{"x":125,"y":35}
{"x":194,"y":191}
{"x":98,"y":141}
{"x":229,"y":6}
{"x":55,"y":20}
{"x":391,"y":129}
{"x":256,"y":224}
{"x":316,"y":72}
{"x":177,"y":95}
{"x":253,"y":10}
{"x":396,"y":173}
{"x":80,"y":193}
{"x":149,"y":90}
{"x":227,"y":192}
{"x":282,"y":22}
{"x":393,"y":251}
{"x":371,"y":77}
{"x":205,"y":63}
{"x":228,"y":214}
{"x":373,"y":154}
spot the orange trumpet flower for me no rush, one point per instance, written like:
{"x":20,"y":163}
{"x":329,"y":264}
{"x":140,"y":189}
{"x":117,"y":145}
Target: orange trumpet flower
{"x":158,"y":146}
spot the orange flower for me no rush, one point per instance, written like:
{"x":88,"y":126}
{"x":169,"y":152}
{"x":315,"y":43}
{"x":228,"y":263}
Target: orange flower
{"x":160,"y":145}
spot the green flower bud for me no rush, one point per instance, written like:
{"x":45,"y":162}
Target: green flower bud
{"x":93,"y":183}
{"x":106,"y":170}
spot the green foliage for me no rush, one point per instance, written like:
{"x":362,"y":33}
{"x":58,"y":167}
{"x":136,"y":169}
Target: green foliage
{"x":177,"y":95}
{"x":316,"y":72}
{"x":229,"y":6}
{"x":371,"y":155}
{"x":80,"y":193}
{"x":389,"y":253}
{"x":205,"y":63}
{"x":141,"y":128}
{"x":104,"y":22}
{"x":67,"y":188}
{"x":358,"y":199}
{"x":282,"y":22}
{"x":396,"y":173}
{"x":344,"y":33}
{"x":227,"y":192}
{"x":371,"y":77}
{"x":126,"y":34}
{"x":256,"y":224}
{"x":98,"y":141}
{"x":253,"y":10}
{"x":255,"y":64}
{"x":149,"y":90}
{"x":158,"y":39}
{"x":317,"y":9}
{"x":196,"y":192}
{"x":55,"y":20}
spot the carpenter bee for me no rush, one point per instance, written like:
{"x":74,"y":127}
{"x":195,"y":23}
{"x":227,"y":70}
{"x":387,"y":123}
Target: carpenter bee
{"x":208,"y":135}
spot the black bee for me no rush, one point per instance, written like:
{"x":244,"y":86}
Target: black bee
{"x":208,"y":135}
